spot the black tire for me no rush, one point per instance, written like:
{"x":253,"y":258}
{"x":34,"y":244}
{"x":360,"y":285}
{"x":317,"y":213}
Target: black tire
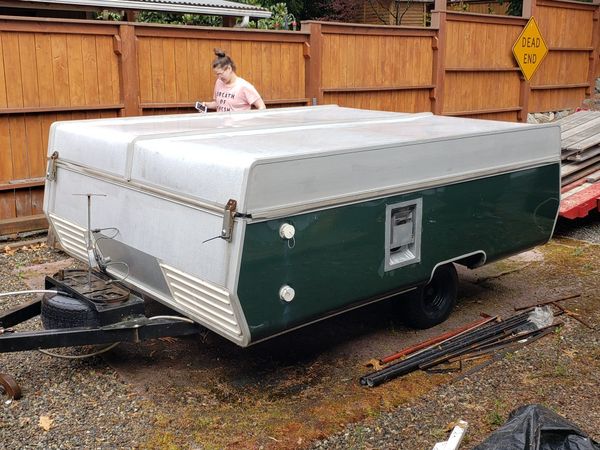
{"x":59,"y":311}
{"x":431,"y":304}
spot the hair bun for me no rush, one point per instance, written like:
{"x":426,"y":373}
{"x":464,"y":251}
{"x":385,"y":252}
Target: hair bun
{"x":220,"y":53}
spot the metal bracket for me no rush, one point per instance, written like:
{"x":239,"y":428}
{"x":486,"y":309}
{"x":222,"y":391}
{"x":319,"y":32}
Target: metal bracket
{"x":51,"y":169}
{"x":228,"y":216}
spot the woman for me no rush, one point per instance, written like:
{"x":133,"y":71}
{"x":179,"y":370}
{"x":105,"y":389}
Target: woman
{"x":232,"y":93}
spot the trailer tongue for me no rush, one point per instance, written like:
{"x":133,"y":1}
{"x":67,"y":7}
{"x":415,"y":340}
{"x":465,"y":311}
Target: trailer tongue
{"x":86,"y":308}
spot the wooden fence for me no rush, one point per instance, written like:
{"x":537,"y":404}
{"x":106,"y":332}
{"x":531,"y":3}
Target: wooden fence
{"x":463,"y":65}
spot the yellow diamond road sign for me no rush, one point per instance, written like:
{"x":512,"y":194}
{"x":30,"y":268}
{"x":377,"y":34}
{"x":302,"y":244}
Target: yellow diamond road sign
{"x":530,"y":49}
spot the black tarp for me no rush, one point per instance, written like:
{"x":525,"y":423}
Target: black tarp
{"x":535,"y":427}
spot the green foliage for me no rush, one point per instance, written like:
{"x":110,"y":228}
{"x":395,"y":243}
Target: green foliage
{"x":281,"y":19}
{"x":515,"y":8}
{"x":109,"y":15}
{"x":179,"y":19}
{"x":495,"y":418}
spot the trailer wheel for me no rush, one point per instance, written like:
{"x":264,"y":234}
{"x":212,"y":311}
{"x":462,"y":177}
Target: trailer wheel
{"x":432,"y":304}
{"x":60,"y":311}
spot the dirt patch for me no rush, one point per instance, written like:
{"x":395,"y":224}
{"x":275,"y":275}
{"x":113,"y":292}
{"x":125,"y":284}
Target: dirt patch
{"x":303,"y":386}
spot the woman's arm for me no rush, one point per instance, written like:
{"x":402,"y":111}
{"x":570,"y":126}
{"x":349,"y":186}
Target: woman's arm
{"x":210,"y":105}
{"x":259,"y":104}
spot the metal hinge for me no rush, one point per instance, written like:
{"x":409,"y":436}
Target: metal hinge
{"x":228,"y":216}
{"x":51,"y":169}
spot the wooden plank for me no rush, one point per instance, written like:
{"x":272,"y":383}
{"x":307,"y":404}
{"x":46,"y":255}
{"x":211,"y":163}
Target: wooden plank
{"x":23,"y":224}
{"x":20,"y":184}
{"x":46,"y":120}
{"x":158,"y":75}
{"x":12,"y":70}
{"x":570,"y":169}
{"x":76,"y":78}
{"x":575,"y":119}
{"x":593,"y":177}
{"x":570,"y":136}
{"x":37,"y":201}
{"x":584,"y":156}
{"x":170,"y":70}
{"x":43,"y":58}
{"x":36,"y":151}
{"x":23,"y":202}
{"x":50,"y":109}
{"x":3,"y":100}
{"x":7,"y":205}
{"x":181,"y":71}
{"x":105,"y":56}
{"x":90,"y":70}
{"x":28,"y":70}
{"x":60,"y":70}
{"x":48,"y":25}
{"x":6,"y":164}
{"x":144,"y":69}
{"x":587,"y":139}
{"x":18,"y":142}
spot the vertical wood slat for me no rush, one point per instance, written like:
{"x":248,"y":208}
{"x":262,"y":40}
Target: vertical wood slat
{"x":12,"y":70}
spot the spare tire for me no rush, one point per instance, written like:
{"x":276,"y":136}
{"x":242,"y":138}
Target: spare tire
{"x":61,"y":311}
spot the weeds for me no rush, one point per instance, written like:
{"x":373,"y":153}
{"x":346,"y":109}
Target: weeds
{"x":495,"y":417}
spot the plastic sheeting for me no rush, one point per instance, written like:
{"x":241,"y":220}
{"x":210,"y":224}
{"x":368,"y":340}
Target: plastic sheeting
{"x":535,"y":427}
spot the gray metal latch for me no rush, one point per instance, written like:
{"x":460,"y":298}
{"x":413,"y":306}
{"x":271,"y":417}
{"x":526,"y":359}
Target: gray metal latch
{"x":228,"y":216}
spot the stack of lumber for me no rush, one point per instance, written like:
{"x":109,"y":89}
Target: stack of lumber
{"x":580,"y":142}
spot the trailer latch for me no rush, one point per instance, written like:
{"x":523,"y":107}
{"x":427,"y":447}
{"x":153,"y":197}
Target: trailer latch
{"x":51,"y":169}
{"x":228,"y":216}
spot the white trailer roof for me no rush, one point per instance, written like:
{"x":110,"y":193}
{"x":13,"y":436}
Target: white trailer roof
{"x":286,"y":160}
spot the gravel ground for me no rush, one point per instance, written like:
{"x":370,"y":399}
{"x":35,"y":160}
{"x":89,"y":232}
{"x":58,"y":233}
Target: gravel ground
{"x":67,"y":397}
{"x":586,"y":229}
{"x":91,"y":404}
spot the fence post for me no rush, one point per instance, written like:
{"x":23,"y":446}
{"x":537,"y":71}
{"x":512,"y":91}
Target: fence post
{"x":524,"y":87}
{"x":128,"y":72}
{"x":438,"y":20}
{"x":593,"y":64}
{"x":313,"y":52}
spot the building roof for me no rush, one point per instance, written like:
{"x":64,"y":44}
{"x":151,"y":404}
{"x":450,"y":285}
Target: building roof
{"x":209,"y":7}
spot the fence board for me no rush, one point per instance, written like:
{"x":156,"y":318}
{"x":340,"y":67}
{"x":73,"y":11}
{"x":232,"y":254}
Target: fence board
{"x":31,"y":95}
{"x":60,"y":71}
{"x":562,"y":67}
{"x":43,"y":58}
{"x":556,"y":99}
{"x":106,"y":58}
{"x":90,"y":70}
{"x":6,"y":164}
{"x":562,"y":26}
{"x":18,"y":144}
{"x":7,"y":205}
{"x":3,"y":101}
{"x":181,"y":71}
{"x":12,"y":70}
{"x":76,"y":67}
{"x":36,"y":151}
{"x":170,"y":71}
{"x":481,"y":91}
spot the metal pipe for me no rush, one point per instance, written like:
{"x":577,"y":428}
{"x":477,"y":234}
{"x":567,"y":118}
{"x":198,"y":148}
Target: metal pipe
{"x":452,"y":347}
{"x":436,"y":340}
{"x":33,"y":291}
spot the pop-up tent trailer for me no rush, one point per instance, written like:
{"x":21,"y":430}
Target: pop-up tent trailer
{"x":253,"y":224}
